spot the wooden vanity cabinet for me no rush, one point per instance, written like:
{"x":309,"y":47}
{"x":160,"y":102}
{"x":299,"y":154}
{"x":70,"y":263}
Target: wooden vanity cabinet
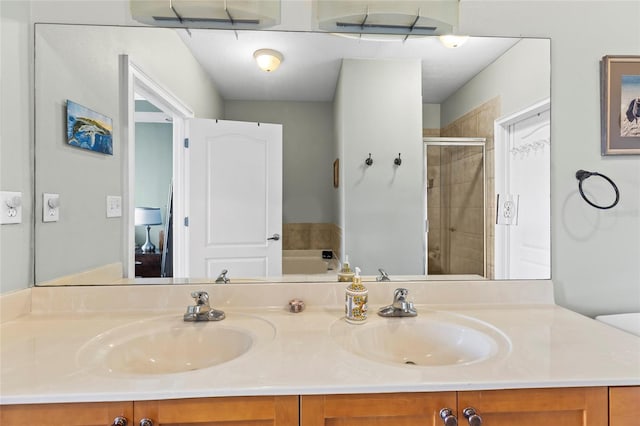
{"x":397,"y":409}
{"x":226,"y":411}
{"x":72,"y":414}
{"x":591,"y":406}
{"x":624,"y":406}
{"x":516,"y":407}
{"x":535,"y":407}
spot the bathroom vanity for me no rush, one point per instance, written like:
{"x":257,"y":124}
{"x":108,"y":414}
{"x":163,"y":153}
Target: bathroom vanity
{"x":80,"y":356}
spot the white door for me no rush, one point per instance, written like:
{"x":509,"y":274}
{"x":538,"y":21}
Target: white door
{"x":526,"y":253}
{"x":235,"y":199}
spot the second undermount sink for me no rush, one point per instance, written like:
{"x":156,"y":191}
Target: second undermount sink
{"x":432,"y":339}
{"x":168,"y":345}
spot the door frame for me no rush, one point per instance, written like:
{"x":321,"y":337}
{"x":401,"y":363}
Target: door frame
{"x":503,"y":134}
{"x":133,"y":79}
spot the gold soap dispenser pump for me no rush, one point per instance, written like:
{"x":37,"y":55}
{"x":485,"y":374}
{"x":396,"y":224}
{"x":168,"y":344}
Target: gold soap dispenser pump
{"x":346,"y":274}
{"x":355,"y":300}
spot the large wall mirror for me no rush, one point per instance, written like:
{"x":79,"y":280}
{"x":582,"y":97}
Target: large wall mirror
{"x":413,"y":159}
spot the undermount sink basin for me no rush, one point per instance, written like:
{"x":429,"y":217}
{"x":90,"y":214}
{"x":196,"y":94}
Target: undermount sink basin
{"x":431,"y":339}
{"x":168,"y":345}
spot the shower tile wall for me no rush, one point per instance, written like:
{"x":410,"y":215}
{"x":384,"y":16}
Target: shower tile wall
{"x":479,"y":123}
{"x":311,"y":236}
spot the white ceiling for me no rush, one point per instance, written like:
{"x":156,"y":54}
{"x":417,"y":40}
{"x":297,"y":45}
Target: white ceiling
{"x":312,"y":61}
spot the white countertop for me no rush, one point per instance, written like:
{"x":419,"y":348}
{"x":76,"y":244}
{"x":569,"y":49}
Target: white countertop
{"x":549,"y":347}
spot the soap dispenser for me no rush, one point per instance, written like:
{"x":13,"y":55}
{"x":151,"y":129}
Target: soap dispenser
{"x":355,"y":300}
{"x":346,"y":274}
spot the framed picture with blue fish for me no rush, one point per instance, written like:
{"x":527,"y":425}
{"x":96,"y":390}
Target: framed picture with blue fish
{"x":620,"y":115}
{"x":88,"y":129}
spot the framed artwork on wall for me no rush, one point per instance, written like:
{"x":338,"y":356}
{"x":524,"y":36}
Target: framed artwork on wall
{"x":88,"y":129}
{"x":620,"y":105}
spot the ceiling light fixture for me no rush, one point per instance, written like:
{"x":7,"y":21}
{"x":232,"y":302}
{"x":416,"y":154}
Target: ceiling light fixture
{"x":268,"y":60}
{"x":452,"y":41}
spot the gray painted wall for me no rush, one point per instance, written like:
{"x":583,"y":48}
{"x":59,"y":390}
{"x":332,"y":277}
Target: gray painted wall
{"x":594,"y":254}
{"x":518,"y":77}
{"x":16,"y":141}
{"x":81,"y":63}
{"x":307,"y":154}
{"x":380,"y":104}
{"x":594,"y":263}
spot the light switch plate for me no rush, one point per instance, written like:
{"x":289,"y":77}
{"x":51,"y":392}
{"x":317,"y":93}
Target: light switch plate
{"x":10,"y":207}
{"x":50,"y":207}
{"x":114,"y":206}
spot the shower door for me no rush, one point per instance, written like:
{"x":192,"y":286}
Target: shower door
{"x":455,"y":194}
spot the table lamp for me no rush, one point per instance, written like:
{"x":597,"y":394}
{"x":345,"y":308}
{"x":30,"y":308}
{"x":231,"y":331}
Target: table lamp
{"x":147,"y":216}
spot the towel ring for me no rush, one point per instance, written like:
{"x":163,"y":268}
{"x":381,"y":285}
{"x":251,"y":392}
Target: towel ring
{"x":581,"y":175}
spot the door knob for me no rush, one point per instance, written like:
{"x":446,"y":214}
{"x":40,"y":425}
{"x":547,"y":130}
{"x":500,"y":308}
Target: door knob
{"x":275,"y":237}
{"x":473,"y":417}
{"x":446,"y":414}
{"x":119,"y":421}
{"x":146,"y":422}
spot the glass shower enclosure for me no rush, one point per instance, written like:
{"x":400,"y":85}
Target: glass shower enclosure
{"x":455,"y":184}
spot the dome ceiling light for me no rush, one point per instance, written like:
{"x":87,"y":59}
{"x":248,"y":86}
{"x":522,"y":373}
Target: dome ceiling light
{"x":453,"y":41}
{"x":268,"y":59}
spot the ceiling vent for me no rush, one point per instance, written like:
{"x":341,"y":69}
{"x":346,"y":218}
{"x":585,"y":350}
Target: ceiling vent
{"x":414,"y":17}
{"x":221,"y":14}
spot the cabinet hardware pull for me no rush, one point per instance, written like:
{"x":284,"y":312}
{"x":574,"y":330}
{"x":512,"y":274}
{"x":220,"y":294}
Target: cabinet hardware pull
{"x":119,"y":421}
{"x":473,"y":417}
{"x":446,"y":414}
{"x":146,"y":422}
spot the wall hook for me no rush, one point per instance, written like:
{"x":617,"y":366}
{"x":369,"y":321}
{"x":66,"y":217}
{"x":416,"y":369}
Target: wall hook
{"x":368,"y":161}
{"x":397,"y":161}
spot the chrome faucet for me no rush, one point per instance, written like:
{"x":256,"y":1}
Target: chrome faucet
{"x":400,"y":306}
{"x":222,"y":278}
{"x":201,"y":311}
{"x":383,"y":275}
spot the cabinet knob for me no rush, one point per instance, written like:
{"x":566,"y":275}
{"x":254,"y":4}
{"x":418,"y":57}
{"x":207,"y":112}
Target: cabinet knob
{"x":120,"y":421}
{"x":446,"y":414}
{"x":471,"y":416}
{"x":146,"y":422}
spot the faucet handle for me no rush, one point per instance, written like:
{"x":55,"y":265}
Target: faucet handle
{"x":201,"y":297}
{"x":400,"y":293}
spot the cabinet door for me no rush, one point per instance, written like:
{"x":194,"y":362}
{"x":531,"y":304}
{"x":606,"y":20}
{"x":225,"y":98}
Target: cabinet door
{"x":398,"y":409}
{"x":76,"y":414}
{"x":227,"y":411}
{"x":624,"y":406}
{"x":535,"y":407}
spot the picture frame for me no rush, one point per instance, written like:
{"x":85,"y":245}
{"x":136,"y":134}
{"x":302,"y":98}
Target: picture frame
{"x":620,"y":105}
{"x":336,"y":173}
{"x":88,"y":129}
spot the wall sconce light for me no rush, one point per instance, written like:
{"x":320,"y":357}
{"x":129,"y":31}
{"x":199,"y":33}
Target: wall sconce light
{"x":368,"y":161}
{"x":147,"y":216}
{"x":268,"y":60}
{"x":451,"y":41}
{"x":397,"y":161}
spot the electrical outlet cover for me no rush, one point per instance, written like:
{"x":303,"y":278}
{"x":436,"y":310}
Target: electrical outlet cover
{"x":507,"y":212}
{"x":10,"y":207}
{"x":50,"y":207}
{"x":114,"y":206}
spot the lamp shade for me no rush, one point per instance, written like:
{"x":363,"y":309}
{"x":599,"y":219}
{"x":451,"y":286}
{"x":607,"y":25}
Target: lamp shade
{"x":148,"y":216}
